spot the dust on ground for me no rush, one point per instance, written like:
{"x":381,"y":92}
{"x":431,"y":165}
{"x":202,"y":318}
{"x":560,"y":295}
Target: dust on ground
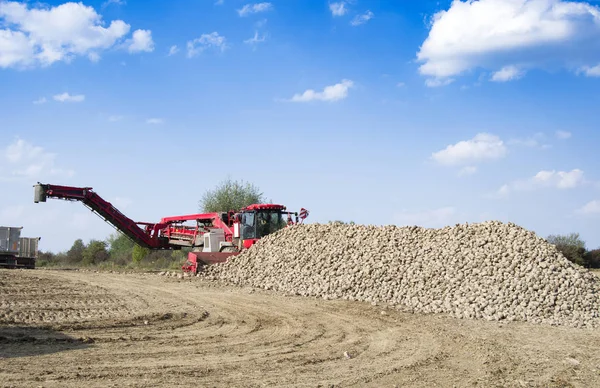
{"x":75,"y":328}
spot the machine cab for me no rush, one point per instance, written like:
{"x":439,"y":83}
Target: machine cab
{"x":257,"y":221}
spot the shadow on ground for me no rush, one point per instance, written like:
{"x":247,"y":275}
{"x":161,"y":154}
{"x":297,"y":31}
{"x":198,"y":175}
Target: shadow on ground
{"x":24,"y":341}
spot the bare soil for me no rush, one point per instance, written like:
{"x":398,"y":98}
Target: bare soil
{"x":86,"y":329}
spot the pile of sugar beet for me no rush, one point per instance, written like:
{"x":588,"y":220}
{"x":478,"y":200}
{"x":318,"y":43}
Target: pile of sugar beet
{"x":490,"y":270}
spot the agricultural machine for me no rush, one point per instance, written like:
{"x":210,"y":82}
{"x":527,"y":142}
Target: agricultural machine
{"x":213,"y":237}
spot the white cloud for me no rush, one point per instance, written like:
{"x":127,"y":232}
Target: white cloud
{"x":562,"y":180}
{"x":40,"y":101}
{"x":467,"y":170}
{"x":590,"y":208}
{"x":483,"y":146}
{"x":113,"y":2}
{"x":141,"y":41}
{"x":338,"y":9}
{"x":563,"y":135}
{"x":591,"y":71}
{"x":507,"y":73}
{"x":400,"y":84}
{"x":66,"y":97}
{"x":24,"y":160}
{"x":94,"y":57}
{"x":254,"y":8}
{"x":362,"y":19}
{"x":219,"y":2}
{"x":155,"y":121}
{"x":115,"y":118}
{"x":173,"y":50}
{"x":559,"y":179}
{"x":503,"y":35}
{"x":437,"y":82}
{"x":255,"y":39}
{"x":15,"y":48}
{"x":205,"y":41}
{"x":335,"y":92}
{"x":41,"y":36}
{"x":537,"y":140}
{"x":436,"y":218}
{"x":260,"y":23}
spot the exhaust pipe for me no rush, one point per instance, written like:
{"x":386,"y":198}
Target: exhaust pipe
{"x":39,"y":193}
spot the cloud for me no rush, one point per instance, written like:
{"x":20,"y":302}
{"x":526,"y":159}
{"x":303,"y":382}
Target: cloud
{"x":437,"y":82}
{"x":66,"y":97}
{"x":338,"y":9}
{"x":335,"y":92}
{"x":40,"y":101}
{"x":115,"y":118}
{"x":155,"y":121}
{"x":41,"y":36}
{"x":400,"y":84}
{"x":436,"y":218}
{"x":535,"y":141}
{"x":113,"y":2}
{"x":507,"y":73}
{"x":563,"y":135}
{"x":206,"y":41}
{"x":590,"y":208}
{"x":482,"y":147}
{"x":94,"y":57}
{"x":219,"y":2}
{"x":141,"y":41}
{"x":255,"y":39}
{"x":173,"y":50}
{"x":22,"y":159}
{"x":260,"y":23}
{"x":362,"y":19}
{"x":559,"y":179}
{"x":510,"y":36}
{"x":254,"y":8}
{"x":562,"y":180}
{"x":468,"y":170}
{"x":591,"y":71}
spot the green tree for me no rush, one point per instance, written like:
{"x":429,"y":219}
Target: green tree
{"x":75,"y":254}
{"x":120,"y":247}
{"x":139,"y":253}
{"x":592,"y":258}
{"x":571,"y":246}
{"x":230,"y":195}
{"x":95,"y":252}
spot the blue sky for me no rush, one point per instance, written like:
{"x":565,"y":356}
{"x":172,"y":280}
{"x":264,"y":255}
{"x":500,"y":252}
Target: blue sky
{"x":382,"y":112}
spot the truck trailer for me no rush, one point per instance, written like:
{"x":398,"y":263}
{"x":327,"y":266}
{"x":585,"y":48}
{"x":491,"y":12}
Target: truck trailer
{"x":17,"y":251}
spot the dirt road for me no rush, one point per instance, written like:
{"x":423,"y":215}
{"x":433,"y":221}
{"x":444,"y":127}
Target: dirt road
{"x":85,"y":329}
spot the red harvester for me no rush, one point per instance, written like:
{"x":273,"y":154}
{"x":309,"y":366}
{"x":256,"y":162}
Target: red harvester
{"x":213,"y":237}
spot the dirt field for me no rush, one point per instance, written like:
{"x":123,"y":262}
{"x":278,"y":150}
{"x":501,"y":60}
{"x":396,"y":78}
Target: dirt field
{"x":84,"y":329}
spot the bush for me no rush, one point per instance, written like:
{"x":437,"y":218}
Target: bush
{"x":75,"y":254}
{"x":592,"y":258}
{"x":120,"y":248}
{"x":95,"y":253}
{"x":571,"y":246}
{"x":139,"y":253}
